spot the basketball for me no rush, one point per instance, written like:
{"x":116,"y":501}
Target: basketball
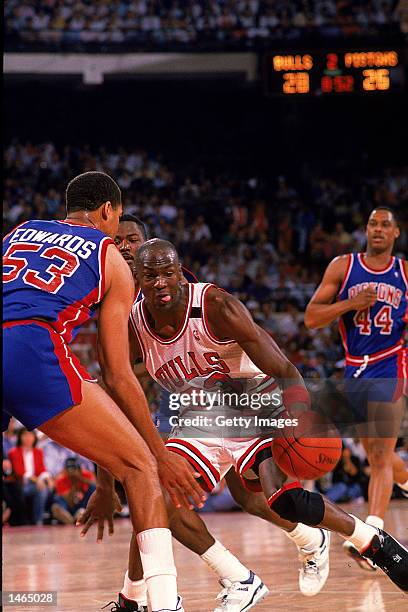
{"x":301,"y":452}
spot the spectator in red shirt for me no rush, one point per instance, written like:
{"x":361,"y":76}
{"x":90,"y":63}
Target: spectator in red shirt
{"x":73,"y":488}
{"x":28,"y":468}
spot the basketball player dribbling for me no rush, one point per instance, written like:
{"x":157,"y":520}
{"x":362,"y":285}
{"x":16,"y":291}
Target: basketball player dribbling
{"x":57,"y":274}
{"x":368,"y":293}
{"x":189,"y":529}
{"x":196,"y":331}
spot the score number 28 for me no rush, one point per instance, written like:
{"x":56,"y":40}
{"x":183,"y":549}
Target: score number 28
{"x":295,"y":83}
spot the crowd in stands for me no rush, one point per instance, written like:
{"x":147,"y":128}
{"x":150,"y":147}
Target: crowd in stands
{"x":264,"y":239}
{"x":42,"y":481}
{"x":161,"y":22}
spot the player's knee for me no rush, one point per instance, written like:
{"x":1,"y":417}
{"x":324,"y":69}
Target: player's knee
{"x":380,"y":457}
{"x":298,"y":506}
{"x":140,"y":470}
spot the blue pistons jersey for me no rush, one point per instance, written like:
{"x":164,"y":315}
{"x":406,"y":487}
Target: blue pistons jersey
{"x":53,"y":281}
{"x":374,"y":333}
{"x":53,"y":270}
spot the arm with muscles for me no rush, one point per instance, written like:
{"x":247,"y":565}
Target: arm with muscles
{"x":121,"y":383}
{"x":321,"y":310}
{"x":229,"y":319}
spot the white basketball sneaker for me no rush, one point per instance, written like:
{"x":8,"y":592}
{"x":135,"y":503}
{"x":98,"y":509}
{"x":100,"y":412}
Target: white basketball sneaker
{"x":315,"y":567}
{"x":363,"y":562}
{"x":240,"y":596}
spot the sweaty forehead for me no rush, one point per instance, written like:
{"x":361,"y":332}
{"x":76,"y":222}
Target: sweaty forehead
{"x":159,"y":257}
{"x":382,"y":215}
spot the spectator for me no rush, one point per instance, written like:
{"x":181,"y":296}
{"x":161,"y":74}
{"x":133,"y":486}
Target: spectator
{"x":9,"y":436}
{"x":29,"y":470}
{"x":73,"y":488}
{"x":14,"y":511}
{"x":349,"y":480}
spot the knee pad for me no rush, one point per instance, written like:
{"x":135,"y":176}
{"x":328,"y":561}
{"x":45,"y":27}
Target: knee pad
{"x":294,"y":504}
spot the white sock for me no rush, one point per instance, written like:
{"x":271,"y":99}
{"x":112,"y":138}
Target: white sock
{"x":306,"y":537}
{"x":135,"y":590}
{"x":403,"y":485}
{"x":375,"y":521}
{"x":362,"y":534}
{"x":224,"y":564}
{"x":159,"y":571}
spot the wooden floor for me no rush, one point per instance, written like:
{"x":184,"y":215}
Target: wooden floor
{"x":87,"y":575}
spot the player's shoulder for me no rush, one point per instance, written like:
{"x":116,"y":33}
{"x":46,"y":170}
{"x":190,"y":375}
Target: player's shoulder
{"x":216,"y":295}
{"x":116,"y":269}
{"x":404,"y":265}
{"x":221,"y":304}
{"x":338,"y":266}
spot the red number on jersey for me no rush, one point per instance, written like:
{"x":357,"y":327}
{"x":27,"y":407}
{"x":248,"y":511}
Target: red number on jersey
{"x":70,"y":263}
{"x":384,"y":320}
{"x":16,"y":263}
{"x":362,"y":320}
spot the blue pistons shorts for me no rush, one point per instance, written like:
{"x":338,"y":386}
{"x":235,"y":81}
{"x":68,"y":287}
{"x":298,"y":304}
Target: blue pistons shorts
{"x":41,"y":375}
{"x":383,"y":381}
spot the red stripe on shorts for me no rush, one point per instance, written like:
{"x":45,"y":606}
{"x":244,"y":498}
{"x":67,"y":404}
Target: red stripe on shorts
{"x":193,"y":449}
{"x":208,"y":484}
{"x":73,"y":377}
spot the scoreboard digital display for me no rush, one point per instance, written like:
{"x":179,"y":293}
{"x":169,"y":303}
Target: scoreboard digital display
{"x":325,"y":73}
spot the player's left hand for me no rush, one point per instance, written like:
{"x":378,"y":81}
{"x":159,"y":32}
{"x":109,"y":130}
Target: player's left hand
{"x":100,"y":508}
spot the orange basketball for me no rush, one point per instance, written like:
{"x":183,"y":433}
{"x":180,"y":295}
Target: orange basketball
{"x":309,"y":450}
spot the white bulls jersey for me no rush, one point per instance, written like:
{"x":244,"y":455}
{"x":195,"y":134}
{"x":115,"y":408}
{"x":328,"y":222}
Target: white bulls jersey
{"x":194,"y":357}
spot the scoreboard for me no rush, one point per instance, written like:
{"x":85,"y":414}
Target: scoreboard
{"x":325,"y":73}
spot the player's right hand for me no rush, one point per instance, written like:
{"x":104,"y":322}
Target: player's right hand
{"x":180,"y":480}
{"x":101,"y":507}
{"x":364,"y":299}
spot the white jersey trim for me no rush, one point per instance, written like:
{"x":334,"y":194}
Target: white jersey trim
{"x":179,"y":334}
{"x":403,"y":274}
{"x":133,"y":321}
{"x":348,"y":272}
{"x":371,"y":270}
{"x":204,"y":315}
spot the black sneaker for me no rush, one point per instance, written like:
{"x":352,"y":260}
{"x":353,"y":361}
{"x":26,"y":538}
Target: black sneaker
{"x":125,"y":605}
{"x":390,"y":556}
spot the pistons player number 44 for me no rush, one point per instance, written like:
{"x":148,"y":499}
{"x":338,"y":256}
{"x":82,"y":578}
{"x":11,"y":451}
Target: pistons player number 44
{"x":367,"y":293}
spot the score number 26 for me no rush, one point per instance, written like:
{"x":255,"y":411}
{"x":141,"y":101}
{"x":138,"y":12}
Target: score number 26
{"x":376,"y":79}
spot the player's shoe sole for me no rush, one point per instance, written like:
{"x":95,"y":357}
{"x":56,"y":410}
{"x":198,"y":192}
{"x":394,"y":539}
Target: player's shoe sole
{"x":315,"y":567}
{"x":365,"y":564}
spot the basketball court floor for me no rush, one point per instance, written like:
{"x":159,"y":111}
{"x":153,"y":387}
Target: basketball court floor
{"x":88,"y":575}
